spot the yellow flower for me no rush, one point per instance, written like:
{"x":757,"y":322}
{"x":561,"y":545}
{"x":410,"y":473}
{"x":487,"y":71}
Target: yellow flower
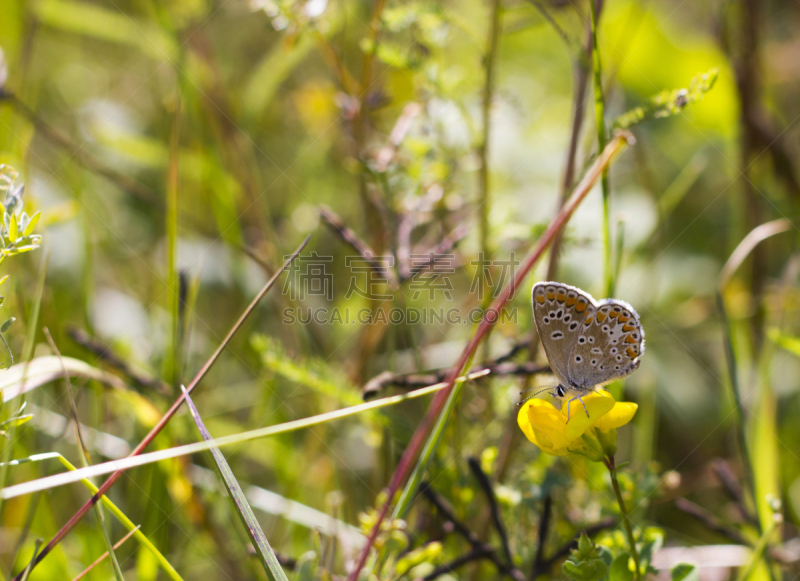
{"x":593,"y":436}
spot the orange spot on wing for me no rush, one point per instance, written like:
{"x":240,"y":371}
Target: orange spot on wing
{"x":581,"y":306}
{"x":601,"y":317}
{"x":560,"y":297}
{"x":551,"y":296}
{"x":627,"y":328}
{"x":613,"y":314}
{"x":588,"y":321}
{"x":571,"y":301}
{"x":630,"y":339}
{"x":631,"y":352}
{"x":623,"y":319}
{"x":540,"y":299}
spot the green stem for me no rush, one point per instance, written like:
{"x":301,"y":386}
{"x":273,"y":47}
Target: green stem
{"x":173,"y":365}
{"x":599,"y":113}
{"x":412,"y":485}
{"x":483,"y":151}
{"x":758,"y":553}
{"x":612,"y":470}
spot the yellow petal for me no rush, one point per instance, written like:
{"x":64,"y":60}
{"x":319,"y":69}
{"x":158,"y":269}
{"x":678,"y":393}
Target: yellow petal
{"x":543,"y":425}
{"x":597,"y":404}
{"x":546,"y":444}
{"x":620,"y":414}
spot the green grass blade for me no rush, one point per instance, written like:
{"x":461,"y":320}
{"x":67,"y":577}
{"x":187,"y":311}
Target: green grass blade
{"x":107,"y":24}
{"x":602,"y":137}
{"x":271,"y":72}
{"x":260,"y":543}
{"x":102,"y":557}
{"x":42,"y":370}
{"x":412,"y":485}
{"x":27,"y":354}
{"x":172,"y":363}
{"x":29,"y":568}
{"x":784,"y":341}
{"x":143,"y":459}
{"x":84,"y":456}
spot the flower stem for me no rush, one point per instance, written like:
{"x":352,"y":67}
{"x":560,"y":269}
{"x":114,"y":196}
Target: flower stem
{"x":612,"y":470}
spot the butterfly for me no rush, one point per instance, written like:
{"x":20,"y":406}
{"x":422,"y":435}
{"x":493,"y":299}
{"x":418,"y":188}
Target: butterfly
{"x":588,"y":343}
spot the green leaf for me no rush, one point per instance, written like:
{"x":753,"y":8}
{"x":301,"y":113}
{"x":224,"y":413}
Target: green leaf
{"x":24,"y":377}
{"x":16,"y":421}
{"x":424,"y":554}
{"x":12,"y":228}
{"x":621,"y":569}
{"x":685,"y":572}
{"x":307,"y":566}
{"x":32,"y":224}
{"x":7,"y":324}
{"x":784,"y":341}
{"x":586,"y":562}
{"x":257,"y":537}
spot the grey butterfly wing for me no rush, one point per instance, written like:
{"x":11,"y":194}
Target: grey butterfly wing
{"x":559,"y":311}
{"x":609,"y":345}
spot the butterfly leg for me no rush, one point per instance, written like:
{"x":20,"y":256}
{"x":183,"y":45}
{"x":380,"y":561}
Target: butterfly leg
{"x":583,"y":404}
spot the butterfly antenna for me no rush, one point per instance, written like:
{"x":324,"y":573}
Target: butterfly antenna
{"x":546,"y":388}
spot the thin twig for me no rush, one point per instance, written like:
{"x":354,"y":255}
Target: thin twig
{"x":100,"y":559}
{"x":447,"y":244}
{"x":84,"y":454}
{"x":710,"y":521}
{"x":387,"y":153}
{"x":494,"y":509}
{"x":544,"y":527}
{"x":568,"y":40}
{"x":731,"y":485}
{"x":76,"y":151}
{"x":168,"y":415}
{"x":444,"y":508}
{"x":490,"y":60}
{"x":337,"y":225}
{"x":414,"y":380}
{"x":105,"y":353}
{"x":473,"y":555}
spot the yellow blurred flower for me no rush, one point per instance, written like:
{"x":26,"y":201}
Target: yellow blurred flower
{"x":593,"y":436}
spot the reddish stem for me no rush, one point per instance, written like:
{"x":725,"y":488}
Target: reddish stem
{"x":489,"y":319}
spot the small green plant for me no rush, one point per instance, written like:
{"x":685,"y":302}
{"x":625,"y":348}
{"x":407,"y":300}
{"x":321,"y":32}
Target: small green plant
{"x":17,"y":227}
{"x":16,"y":234}
{"x":586,"y":562}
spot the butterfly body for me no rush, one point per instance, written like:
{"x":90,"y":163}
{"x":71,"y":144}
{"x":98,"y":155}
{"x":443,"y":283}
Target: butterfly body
{"x":588,"y":343}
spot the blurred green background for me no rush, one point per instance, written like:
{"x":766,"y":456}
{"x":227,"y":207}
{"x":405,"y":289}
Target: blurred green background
{"x":252,"y":115}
